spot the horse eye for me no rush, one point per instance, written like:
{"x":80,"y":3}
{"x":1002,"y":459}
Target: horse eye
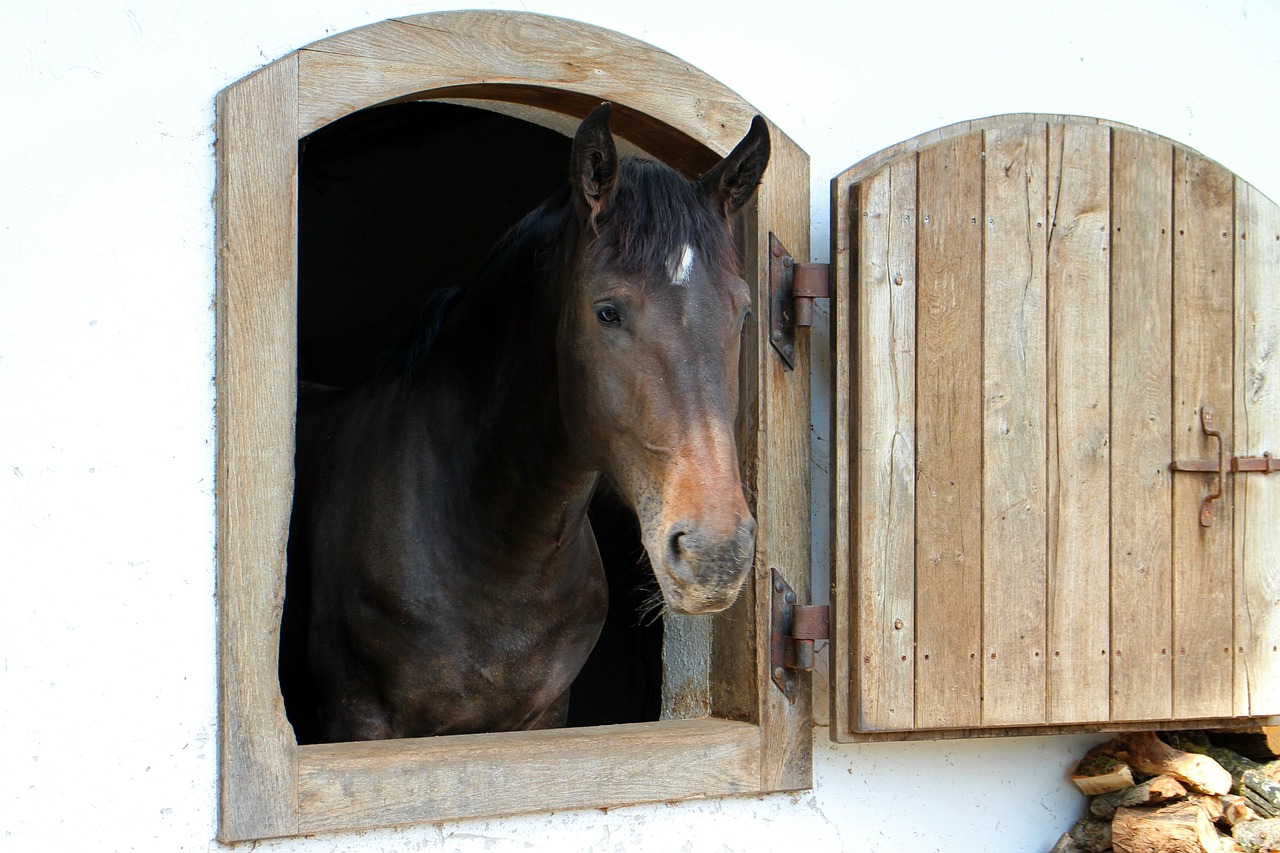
{"x":608,"y":315}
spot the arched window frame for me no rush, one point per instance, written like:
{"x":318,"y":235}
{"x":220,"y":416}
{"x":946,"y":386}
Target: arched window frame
{"x":268,"y":785}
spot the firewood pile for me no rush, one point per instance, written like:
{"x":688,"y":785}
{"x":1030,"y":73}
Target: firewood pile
{"x":1190,"y":792}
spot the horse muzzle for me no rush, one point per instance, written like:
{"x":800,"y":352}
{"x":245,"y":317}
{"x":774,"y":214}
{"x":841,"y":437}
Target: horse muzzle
{"x":701,"y":571}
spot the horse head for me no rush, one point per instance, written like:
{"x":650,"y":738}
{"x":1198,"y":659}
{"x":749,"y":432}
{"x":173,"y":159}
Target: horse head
{"x":649,"y":339}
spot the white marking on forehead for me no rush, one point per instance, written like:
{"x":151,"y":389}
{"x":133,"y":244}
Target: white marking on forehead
{"x":681,"y":275}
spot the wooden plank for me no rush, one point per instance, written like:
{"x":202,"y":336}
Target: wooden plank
{"x":1257,"y":430}
{"x":255,"y":203}
{"x":1079,"y":423}
{"x":1141,"y":334}
{"x":539,"y":60}
{"x":1203,"y":287}
{"x":949,"y":435}
{"x":383,"y":783}
{"x":783,"y":497}
{"x":1014,"y":429}
{"x":842,"y":649}
{"x":1063,"y":729}
{"x":884,"y":524}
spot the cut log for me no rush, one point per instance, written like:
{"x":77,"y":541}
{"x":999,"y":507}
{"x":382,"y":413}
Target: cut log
{"x":1236,"y":809}
{"x":1258,"y":836}
{"x":1182,"y":827}
{"x":1100,"y":772}
{"x":1260,"y":744}
{"x":1066,"y":844}
{"x":1161,"y":789}
{"x":1231,"y":761}
{"x":1147,"y":753}
{"x":1091,"y":836}
{"x":1255,"y":781}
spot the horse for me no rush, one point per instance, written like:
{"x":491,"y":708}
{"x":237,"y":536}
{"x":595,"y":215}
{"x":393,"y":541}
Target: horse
{"x":443,"y":577}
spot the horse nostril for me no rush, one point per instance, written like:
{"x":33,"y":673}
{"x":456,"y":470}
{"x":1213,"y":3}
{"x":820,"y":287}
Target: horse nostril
{"x":675,"y":542}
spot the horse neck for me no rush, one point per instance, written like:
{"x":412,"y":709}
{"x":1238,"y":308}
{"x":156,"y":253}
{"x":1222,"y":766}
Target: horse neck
{"x":490,"y":399}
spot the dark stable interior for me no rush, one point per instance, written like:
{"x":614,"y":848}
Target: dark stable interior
{"x":397,"y":201}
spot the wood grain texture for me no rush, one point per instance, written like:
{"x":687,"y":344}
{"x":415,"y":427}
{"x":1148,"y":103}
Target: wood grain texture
{"x":1141,"y":330}
{"x":256,"y":207}
{"x":949,"y":435}
{"x":384,"y":783}
{"x":1203,"y":577}
{"x":1079,"y":423}
{"x":543,"y":61}
{"x":1257,"y":431}
{"x":566,"y":67}
{"x":783,"y":494}
{"x":884,"y":475}
{"x":842,"y":650}
{"x":1135,"y":332}
{"x":1014,"y":430}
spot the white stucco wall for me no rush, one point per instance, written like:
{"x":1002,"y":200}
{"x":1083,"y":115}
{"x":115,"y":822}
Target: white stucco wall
{"x":107,"y":694}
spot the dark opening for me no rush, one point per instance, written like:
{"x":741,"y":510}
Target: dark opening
{"x":394,"y":203}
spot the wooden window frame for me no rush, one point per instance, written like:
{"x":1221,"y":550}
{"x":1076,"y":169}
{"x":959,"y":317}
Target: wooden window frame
{"x":268,"y":785}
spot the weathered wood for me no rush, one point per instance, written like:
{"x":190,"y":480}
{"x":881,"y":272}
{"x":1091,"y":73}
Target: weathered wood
{"x":1183,"y":827}
{"x":1258,"y":782}
{"x":843,"y":694}
{"x":1237,"y":809}
{"x":1112,"y":309}
{"x":1079,"y":424}
{"x":536,"y":60}
{"x":523,"y":55}
{"x":1141,"y":332}
{"x":1161,"y":789}
{"x":1014,"y":430}
{"x":256,"y":215}
{"x":1091,"y":835}
{"x":1261,"y":836}
{"x":949,"y":435}
{"x":1257,"y":430}
{"x":884,"y":463}
{"x":1203,"y":581}
{"x":1100,"y":771}
{"x":781,"y":469}
{"x":1146,"y":752}
{"x":380,"y":783}
{"x":1261,"y":744}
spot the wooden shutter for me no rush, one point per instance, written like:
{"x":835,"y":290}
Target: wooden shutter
{"x":1030,"y":315}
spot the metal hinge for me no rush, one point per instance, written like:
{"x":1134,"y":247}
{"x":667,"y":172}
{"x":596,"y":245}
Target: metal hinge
{"x":792,"y":629}
{"x":1265,"y":464}
{"x":792,"y":289}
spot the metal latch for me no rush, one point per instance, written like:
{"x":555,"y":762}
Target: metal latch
{"x":792,"y":289}
{"x":792,"y":629}
{"x":1265,"y":464}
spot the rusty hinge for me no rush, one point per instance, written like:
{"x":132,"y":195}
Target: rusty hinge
{"x":1266,"y":464}
{"x":792,"y":629}
{"x":792,"y":289}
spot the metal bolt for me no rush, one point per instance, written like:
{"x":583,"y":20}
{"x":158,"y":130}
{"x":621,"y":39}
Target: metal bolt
{"x":778,"y":672}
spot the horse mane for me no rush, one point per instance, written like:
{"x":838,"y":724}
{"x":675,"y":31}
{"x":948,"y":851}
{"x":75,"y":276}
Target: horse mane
{"x":653,"y":212}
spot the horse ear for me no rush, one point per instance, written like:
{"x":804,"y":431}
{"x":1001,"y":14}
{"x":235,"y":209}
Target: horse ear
{"x":593,"y":169}
{"x":733,"y":180}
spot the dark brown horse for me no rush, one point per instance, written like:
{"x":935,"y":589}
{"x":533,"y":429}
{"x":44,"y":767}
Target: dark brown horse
{"x":443,"y":576}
